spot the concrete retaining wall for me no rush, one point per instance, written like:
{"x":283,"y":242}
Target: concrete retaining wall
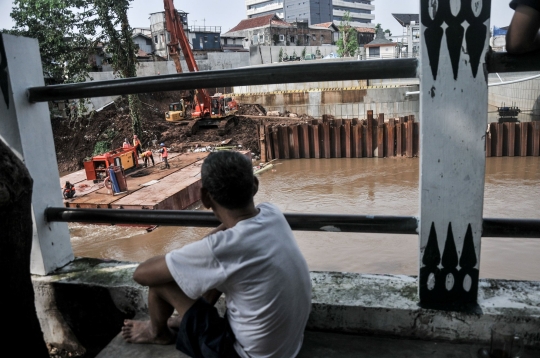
{"x":345,"y":104}
{"x":82,"y":307}
{"x":260,"y":55}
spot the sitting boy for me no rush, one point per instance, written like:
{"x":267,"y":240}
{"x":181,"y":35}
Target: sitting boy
{"x":252,"y":257}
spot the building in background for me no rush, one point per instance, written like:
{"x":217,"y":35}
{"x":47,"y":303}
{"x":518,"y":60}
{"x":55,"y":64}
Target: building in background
{"x":360,"y":12}
{"x":381,"y":47}
{"x":201,"y":38}
{"x":315,"y":11}
{"x":258,"y":8}
{"x":409,"y":42}
{"x":270,"y":30}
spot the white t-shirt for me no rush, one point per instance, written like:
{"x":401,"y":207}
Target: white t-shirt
{"x":265,"y":278}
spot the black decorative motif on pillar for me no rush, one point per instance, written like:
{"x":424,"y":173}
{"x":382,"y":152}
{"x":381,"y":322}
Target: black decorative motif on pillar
{"x":432,"y":19}
{"x":449,"y":271}
{"x":451,"y":17}
{"x":476,"y":14}
{"x":3,"y":73}
{"x":430,"y":272}
{"x":450,"y":282}
{"x":468,"y":274}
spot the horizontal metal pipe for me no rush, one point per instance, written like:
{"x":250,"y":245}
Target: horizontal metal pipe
{"x":522,"y":228}
{"x":301,"y":222}
{"x":503,"y":62}
{"x":518,"y":228}
{"x":315,"y":71}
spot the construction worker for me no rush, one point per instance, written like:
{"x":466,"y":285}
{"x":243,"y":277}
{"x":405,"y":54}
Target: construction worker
{"x":126,"y":144}
{"x":137,"y":144}
{"x":69,"y":190}
{"x":164,"y":154}
{"x":147,"y":156}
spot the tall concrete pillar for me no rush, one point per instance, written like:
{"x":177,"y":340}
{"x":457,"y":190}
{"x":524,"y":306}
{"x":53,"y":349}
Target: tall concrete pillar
{"x":453,"y":111}
{"x":26,"y":129}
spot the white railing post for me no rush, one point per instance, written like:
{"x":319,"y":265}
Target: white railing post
{"x":26,"y":129}
{"x":453,"y":112}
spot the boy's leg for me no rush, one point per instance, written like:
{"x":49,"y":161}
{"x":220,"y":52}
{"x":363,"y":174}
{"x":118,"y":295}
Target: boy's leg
{"x":162,"y":301}
{"x":152,"y":157}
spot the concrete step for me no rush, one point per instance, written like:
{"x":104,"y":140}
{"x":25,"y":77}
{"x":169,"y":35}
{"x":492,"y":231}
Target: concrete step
{"x":324,"y":344}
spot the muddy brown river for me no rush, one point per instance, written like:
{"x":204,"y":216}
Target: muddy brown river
{"x":362,"y":187}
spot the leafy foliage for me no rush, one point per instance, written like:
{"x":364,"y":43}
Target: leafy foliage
{"x":65,"y":31}
{"x":68,"y":32}
{"x":113,"y":18}
{"x":348,"y":39}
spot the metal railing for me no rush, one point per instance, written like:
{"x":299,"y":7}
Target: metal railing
{"x":407,"y":225}
{"x":294,"y":73}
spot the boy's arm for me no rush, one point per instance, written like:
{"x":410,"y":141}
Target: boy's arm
{"x":153,"y":271}
{"x":523,"y":35}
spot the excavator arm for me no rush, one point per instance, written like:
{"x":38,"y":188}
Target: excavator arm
{"x":179,"y":41}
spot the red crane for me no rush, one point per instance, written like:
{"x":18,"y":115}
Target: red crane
{"x":218,"y":110}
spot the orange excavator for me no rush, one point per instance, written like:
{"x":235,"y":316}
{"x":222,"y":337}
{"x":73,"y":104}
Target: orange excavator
{"x":208,"y":111}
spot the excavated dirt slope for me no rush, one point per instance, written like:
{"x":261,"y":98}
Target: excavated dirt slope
{"x":75,"y":140}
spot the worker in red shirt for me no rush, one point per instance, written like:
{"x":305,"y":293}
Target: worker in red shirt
{"x":164,"y":154}
{"x":147,"y":156}
{"x":126,"y":144}
{"x":137,"y":144}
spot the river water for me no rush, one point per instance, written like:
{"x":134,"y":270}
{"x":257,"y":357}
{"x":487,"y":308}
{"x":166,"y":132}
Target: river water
{"x":362,"y":187}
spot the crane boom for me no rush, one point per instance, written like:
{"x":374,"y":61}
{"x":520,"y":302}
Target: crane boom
{"x":178,"y":41}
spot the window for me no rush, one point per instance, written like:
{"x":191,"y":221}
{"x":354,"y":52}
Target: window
{"x":261,"y":38}
{"x":155,"y":39}
{"x":314,"y":37}
{"x":206,"y":39}
{"x":281,"y":38}
{"x":374,"y":52}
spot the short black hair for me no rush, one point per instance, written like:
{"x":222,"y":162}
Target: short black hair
{"x":228,"y":177}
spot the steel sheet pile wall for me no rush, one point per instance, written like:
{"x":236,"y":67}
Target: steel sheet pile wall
{"x":368,"y":138}
{"x":513,"y":139}
{"x":341,"y":138}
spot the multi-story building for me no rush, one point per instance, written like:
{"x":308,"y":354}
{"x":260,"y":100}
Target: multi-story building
{"x":315,"y":12}
{"x":257,"y":8}
{"x":201,"y":38}
{"x":359,"y":10}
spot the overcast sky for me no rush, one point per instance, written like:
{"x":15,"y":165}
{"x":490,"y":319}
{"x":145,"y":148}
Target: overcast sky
{"x":228,"y":13}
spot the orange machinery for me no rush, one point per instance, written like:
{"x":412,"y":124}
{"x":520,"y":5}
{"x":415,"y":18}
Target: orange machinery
{"x":209,"y":111}
{"x":96,"y":168}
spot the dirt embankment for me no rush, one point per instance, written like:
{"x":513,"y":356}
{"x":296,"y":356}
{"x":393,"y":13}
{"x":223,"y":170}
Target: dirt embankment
{"x":77,"y":140}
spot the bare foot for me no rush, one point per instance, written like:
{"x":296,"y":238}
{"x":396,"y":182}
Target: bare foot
{"x":142,"y":332}
{"x":174,"y":323}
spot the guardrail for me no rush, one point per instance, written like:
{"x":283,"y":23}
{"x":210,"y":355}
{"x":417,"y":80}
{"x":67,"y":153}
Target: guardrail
{"x":259,"y":75}
{"x":407,"y":225}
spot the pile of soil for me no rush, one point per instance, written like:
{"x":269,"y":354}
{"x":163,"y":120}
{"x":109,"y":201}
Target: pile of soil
{"x":75,"y":140}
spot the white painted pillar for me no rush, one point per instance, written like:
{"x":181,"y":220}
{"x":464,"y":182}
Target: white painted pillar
{"x":453,"y":111}
{"x":26,"y":128}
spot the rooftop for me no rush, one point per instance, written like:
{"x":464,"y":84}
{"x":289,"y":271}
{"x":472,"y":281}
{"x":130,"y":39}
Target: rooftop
{"x":261,"y":21}
{"x":405,"y":19}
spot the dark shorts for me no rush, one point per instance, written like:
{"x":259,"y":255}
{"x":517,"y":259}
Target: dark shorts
{"x":204,"y":334}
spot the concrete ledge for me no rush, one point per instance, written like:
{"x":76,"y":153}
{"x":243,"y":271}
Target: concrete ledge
{"x":387,"y":305}
{"x":82,"y":306}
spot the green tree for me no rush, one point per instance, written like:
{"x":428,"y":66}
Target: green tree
{"x":348,"y":37}
{"x":113,"y":18}
{"x":65,"y":32}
